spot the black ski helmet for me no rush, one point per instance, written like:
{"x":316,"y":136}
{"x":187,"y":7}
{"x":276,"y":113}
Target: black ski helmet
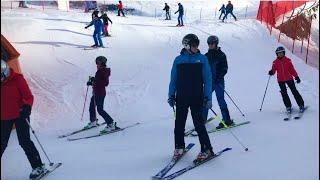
{"x":213,"y":40}
{"x":280,"y":49}
{"x":5,"y":70}
{"x":101,"y":60}
{"x":190,"y":40}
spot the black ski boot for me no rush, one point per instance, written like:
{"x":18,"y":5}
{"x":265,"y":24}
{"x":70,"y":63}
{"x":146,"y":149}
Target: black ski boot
{"x":228,"y":123}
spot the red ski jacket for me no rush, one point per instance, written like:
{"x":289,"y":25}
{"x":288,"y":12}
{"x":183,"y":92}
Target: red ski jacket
{"x":15,"y":92}
{"x":284,"y":68}
{"x":120,"y":6}
{"x":101,"y":80}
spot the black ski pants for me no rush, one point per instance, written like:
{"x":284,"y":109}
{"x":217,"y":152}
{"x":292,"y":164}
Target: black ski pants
{"x":285,"y":96}
{"x":25,"y":142}
{"x":120,"y":11}
{"x":195,"y":104}
{"x":98,"y":101}
{"x":227,"y":13}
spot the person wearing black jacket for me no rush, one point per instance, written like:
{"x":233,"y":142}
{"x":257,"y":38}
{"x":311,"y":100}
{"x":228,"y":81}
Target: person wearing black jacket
{"x":229,"y":10}
{"x":105,"y":20}
{"x":167,"y":9}
{"x":219,"y":68}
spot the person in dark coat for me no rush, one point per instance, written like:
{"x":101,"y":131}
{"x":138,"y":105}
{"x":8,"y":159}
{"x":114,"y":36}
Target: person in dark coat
{"x":219,"y":68}
{"x":99,"y":84}
{"x":181,"y":13}
{"x":106,"y":21}
{"x":167,"y":9}
{"x":229,"y":10}
{"x":223,"y":11}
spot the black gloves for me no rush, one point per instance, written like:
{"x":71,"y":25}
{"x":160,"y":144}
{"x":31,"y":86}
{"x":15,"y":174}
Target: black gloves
{"x":172,"y":101}
{"x":25,"y":111}
{"x":90,"y":81}
{"x":207,"y":103}
{"x":298,"y":79}
{"x":271,"y":73}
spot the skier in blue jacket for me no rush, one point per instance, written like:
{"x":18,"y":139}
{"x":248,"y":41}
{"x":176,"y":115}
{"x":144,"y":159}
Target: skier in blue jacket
{"x":98,"y":29}
{"x":190,"y":87}
{"x":181,"y":13}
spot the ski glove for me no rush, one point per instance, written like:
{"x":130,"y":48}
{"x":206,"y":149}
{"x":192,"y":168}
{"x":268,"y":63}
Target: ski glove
{"x":172,"y":101}
{"x":90,"y":81}
{"x":207,"y":103}
{"x":25,"y":111}
{"x":271,"y":73}
{"x":298,"y":79}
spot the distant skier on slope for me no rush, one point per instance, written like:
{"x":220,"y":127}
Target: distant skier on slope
{"x":120,"y":9}
{"x":229,"y":10}
{"x":105,"y":20}
{"x":219,"y":68}
{"x":167,"y":9}
{"x":285,"y":74}
{"x":190,"y":86}
{"x":223,"y":11}
{"x":97,"y":31}
{"x":181,"y":13}
{"x":99,"y":83}
{"x":16,"y":103}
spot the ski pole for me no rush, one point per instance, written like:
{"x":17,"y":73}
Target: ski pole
{"x":33,"y":132}
{"x":245,"y":148}
{"x":234,"y":103}
{"x":265,"y":91}
{"x":84,"y":104}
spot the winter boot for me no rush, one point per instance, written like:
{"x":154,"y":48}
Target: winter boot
{"x":91,"y":125}
{"x":301,"y":109}
{"x":37,"y":172}
{"x":228,"y":123}
{"x":289,"y":110}
{"x":95,"y":45}
{"x":178,"y":152}
{"x":202,"y":156}
{"x":110,"y":127}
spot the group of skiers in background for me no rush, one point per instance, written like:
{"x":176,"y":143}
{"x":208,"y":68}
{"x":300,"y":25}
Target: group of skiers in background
{"x":225,"y":11}
{"x":195,"y":76}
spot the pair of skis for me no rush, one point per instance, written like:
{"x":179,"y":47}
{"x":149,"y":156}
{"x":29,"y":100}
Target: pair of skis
{"x":161,"y":174}
{"x":189,"y":132}
{"x":299,"y":116}
{"x":48,"y":170}
{"x":79,"y":131}
{"x":101,"y":133}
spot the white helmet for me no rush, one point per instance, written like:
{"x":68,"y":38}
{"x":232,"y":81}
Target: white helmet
{"x":5,"y":70}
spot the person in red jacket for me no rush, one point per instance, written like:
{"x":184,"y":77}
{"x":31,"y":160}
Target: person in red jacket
{"x":120,"y":8}
{"x":98,"y":83}
{"x":285,"y":74}
{"x":16,"y":102}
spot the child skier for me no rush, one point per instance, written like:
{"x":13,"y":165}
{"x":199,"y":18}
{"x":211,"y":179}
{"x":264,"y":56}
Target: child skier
{"x":99,"y":82}
{"x":190,"y":86}
{"x":97,"y":31}
{"x":105,"y":20}
{"x":16,"y":102}
{"x":285,"y":73}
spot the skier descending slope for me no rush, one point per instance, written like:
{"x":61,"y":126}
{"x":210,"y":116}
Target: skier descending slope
{"x":190,"y":86}
{"x":181,"y":13}
{"x":219,"y":68}
{"x":99,"y":82}
{"x":98,"y":26}
{"x":106,"y":20}
{"x":16,"y":102}
{"x":285,"y":73}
